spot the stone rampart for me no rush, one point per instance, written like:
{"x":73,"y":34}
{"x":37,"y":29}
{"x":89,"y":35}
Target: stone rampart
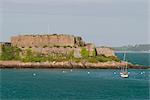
{"x":105,"y":51}
{"x":55,"y":50}
{"x":90,"y":47}
{"x":26,"y":41}
{"x":57,"y":44}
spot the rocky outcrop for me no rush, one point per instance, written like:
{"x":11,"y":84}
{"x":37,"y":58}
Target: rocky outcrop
{"x":67,"y":64}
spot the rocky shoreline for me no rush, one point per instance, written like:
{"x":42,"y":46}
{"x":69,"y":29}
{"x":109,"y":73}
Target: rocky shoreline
{"x":68,"y":65}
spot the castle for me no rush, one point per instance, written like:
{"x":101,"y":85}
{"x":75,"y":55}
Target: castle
{"x":57,"y":44}
{"x":46,"y":40}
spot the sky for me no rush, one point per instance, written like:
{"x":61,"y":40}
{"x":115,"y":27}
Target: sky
{"x":103,"y":22}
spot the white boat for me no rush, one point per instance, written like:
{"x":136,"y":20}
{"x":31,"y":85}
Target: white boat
{"x":124,"y":75}
{"x":124,"y":72}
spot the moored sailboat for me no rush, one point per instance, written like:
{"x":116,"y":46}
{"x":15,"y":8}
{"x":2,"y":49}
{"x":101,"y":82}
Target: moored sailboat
{"x":124,"y":71}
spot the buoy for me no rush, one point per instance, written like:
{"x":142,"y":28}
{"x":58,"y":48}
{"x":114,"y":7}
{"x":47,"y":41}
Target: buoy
{"x":143,"y":72}
{"x":34,"y":74}
{"x":88,"y":72}
{"x":64,"y":71}
{"x":71,"y":70}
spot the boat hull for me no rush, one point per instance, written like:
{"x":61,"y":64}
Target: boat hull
{"x":124,"y":75}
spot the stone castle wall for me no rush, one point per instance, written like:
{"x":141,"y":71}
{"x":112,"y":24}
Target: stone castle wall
{"x":25,"y":41}
{"x":105,"y":51}
{"x":90,"y":47}
{"x":57,"y":44}
{"x":54,"y":50}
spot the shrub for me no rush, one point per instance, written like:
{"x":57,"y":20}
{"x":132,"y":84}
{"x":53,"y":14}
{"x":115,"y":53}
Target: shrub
{"x":77,"y":60}
{"x":31,"y":57}
{"x":102,"y":58}
{"x":70,"y":54}
{"x":28,"y":56}
{"x":84,"y":53}
{"x":92,"y":60}
{"x":10,"y":53}
{"x":114,"y":58}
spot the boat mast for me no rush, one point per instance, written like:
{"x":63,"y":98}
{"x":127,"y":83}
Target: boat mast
{"x":124,"y":57}
{"x":126,"y":62}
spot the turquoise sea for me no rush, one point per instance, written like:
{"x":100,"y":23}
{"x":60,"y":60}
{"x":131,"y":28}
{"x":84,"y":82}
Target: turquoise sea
{"x":76,"y":84}
{"x":136,"y":58}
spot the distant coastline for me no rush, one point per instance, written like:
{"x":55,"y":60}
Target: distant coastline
{"x":134,"y":48}
{"x":132,"y":51}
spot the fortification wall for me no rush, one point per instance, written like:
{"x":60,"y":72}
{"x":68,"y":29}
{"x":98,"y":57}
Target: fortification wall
{"x":25,"y":41}
{"x":56,"y":50}
{"x":90,"y":47}
{"x":61,"y":44}
{"x":105,"y":51}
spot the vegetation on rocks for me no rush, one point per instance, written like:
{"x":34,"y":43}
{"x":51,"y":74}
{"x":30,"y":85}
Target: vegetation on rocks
{"x":10,"y":53}
{"x":84,"y":53}
{"x":14,"y":53}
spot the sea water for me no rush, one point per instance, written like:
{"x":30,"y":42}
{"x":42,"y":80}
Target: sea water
{"x":76,"y":84}
{"x":136,"y":58}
